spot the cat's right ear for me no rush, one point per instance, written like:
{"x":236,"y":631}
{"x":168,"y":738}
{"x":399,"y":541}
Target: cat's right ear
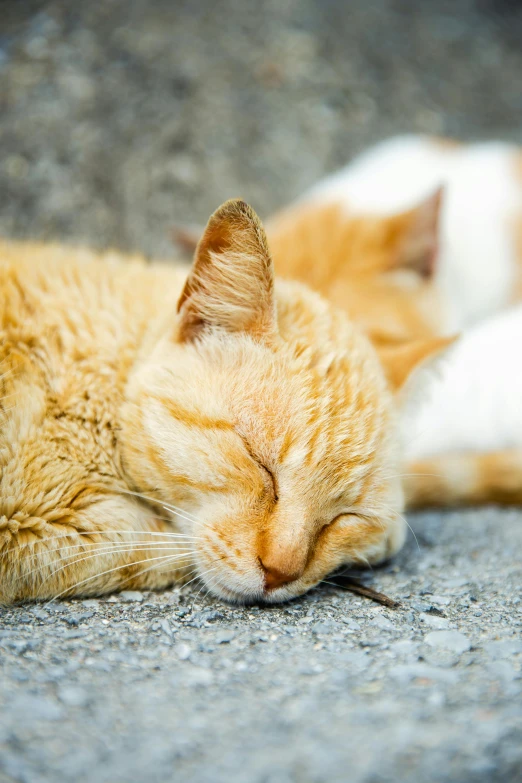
{"x":231,"y":284}
{"x":419,"y":235}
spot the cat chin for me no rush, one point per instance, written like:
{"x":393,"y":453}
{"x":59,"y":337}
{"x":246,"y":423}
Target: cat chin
{"x":258,"y":596}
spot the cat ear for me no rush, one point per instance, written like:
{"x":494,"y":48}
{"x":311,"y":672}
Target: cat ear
{"x":186,"y":237}
{"x":412,"y":371}
{"x":418,"y":247}
{"x":406,"y":363}
{"x":231,"y":283}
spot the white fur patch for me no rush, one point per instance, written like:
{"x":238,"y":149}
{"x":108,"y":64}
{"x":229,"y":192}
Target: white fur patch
{"x":476,"y":399}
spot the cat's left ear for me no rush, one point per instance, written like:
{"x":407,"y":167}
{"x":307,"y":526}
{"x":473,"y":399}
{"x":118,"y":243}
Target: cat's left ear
{"x":231,"y":284}
{"x":420,"y":236}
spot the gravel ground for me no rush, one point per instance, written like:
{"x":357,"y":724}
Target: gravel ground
{"x":118,"y":118}
{"x":179,"y":687}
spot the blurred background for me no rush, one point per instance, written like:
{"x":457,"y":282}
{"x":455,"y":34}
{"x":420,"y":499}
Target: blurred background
{"x":120,"y":117}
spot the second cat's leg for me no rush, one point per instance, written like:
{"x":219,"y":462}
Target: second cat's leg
{"x":465,"y":479}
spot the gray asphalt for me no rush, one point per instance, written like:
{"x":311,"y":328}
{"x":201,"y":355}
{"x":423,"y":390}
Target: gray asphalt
{"x":118,"y":119}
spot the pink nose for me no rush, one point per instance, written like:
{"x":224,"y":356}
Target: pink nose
{"x":274,"y":577}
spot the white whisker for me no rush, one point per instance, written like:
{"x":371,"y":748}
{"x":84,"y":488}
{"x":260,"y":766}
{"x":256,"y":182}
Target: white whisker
{"x":410,"y":475}
{"x":390,"y":510}
{"x":168,"y":561}
{"x":103,"y":546}
{"x":103,"y":535}
{"x":98,"y":554}
{"x":168,"y":506}
{"x":110,"y":571}
{"x":200,"y":575}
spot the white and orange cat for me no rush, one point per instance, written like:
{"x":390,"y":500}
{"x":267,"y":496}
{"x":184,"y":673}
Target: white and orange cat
{"x":416,"y":236}
{"x":154,"y":427}
{"x":422,"y":236}
{"x":403,"y":204}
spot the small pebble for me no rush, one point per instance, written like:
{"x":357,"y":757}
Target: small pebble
{"x":448,"y":640}
{"x":503,"y":670}
{"x":78,"y":617}
{"x":183,"y":651}
{"x":131,"y":595}
{"x":165,"y":627}
{"x":197,"y":677}
{"x":353,"y":625}
{"x":440,"y":600}
{"x":433,"y":621}
{"x":322,"y":628}
{"x":355,"y":660}
{"x":224,"y":637}
{"x":40,"y":614}
{"x":503,"y":648}
{"x":405,"y":673}
{"x":36,"y":707}
{"x":438,"y":656}
{"x":404,"y":646}
{"x":73,"y":696}
{"x":383,"y":623}
{"x":457,"y":582}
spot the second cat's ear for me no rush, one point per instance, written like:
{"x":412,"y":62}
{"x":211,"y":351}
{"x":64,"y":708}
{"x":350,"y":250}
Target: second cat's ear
{"x":418,"y":245}
{"x":412,"y":369}
{"x":405,"y":364}
{"x":231,"y":283}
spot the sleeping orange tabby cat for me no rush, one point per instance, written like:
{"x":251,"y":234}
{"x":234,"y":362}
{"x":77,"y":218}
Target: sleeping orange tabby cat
{"x":156,"y":428}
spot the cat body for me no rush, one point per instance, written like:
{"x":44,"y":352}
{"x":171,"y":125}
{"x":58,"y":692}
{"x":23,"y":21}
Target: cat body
{"x":157,"y":427}
{"x":474,"y":400}
{"x":463,"y":441}
{"x":72,"y":327}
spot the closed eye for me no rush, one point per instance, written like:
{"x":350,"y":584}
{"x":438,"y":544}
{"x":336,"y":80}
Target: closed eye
{"x":344,"y":516}
{"x":272,"y":479}
{"x":263,"y":468}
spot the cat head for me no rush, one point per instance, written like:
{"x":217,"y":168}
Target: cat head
{"x":266,"y":417}
{"x":380,"y":267}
